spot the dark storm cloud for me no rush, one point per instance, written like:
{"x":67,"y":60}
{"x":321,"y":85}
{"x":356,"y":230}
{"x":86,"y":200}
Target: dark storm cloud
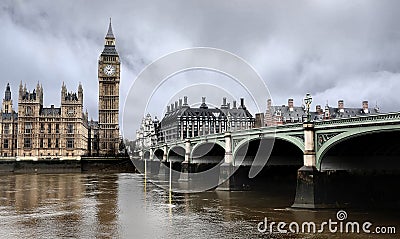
{"x":334,"y":49}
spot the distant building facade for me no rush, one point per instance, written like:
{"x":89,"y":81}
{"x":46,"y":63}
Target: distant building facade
{"x":279,"y":115}
{"x":182,"y":121}
{"x":146,"y":136}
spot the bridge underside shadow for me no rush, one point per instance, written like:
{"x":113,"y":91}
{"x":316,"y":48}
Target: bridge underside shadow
{"x":175,"y":158}
{"x":202,"y":172}
{"x":362,"y":171}
{"x":207,"y":156}
{"x":277,"y":177}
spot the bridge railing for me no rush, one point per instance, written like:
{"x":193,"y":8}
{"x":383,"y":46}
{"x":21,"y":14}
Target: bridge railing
{"x":378,"y":118}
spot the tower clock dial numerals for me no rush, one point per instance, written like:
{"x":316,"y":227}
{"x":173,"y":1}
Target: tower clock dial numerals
{"x":109,"y":70}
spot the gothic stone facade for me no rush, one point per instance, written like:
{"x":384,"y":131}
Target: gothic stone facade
{"x":51,"y":132}
{"x":36,"y":132}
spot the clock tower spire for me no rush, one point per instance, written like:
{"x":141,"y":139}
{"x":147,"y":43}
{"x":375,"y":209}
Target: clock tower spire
{"x":110,"y":32}
{"x":109,"y":78}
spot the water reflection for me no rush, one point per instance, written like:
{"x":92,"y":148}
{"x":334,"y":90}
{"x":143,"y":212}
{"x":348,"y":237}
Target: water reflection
{"x":123,"y":206}
{"x":48,"y":206}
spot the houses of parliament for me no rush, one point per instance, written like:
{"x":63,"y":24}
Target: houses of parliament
{"x":33,"y":131}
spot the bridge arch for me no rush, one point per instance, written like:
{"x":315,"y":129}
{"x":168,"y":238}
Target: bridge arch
{"x":159,"y":154}
{"x":208,"y":152}
{"x":360,"y":145}
{"x":296,"y":141}
{"x":276,"y":146}
{"x":176,"y":153}
{"x":146,"y":154}
{"x":197,"y":145}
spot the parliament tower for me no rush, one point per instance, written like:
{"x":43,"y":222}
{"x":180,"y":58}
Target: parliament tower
{"x":109,"y":77}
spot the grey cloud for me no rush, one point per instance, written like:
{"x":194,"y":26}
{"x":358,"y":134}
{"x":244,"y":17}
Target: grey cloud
{"x":334,"y":49}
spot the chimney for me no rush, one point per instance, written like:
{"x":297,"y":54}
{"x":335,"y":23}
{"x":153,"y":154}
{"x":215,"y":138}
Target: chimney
{"x":172,"y":107}
{"x":185,"y":103}
{"x":176,"y":105}
{"x":203,"y":103}
{"x":318,"y":109}
{"x":234,"y":104}
{"x":168,"y":109}
{"x":228,"y":105}
{"x":224,"y":106}
{"x":290,"y":104}
{"x":269,"y":103}
{"x":180,"y":103}
{"x":365,"y":106}
{"x":242,"y":104}
{"x":340,"y":104}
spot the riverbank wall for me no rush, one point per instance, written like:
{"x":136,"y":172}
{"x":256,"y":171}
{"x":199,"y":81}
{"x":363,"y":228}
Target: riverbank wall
{"x":56,"y":165}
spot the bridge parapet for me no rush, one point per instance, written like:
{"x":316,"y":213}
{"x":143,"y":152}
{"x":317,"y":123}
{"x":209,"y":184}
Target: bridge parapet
{"x":360,"y":120}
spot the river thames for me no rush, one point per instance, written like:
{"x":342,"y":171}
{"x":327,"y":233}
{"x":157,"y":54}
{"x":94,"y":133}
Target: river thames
{"x":123,"y":206}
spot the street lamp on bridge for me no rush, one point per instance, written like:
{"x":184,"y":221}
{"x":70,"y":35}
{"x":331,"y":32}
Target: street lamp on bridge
{"x":307,"y":102}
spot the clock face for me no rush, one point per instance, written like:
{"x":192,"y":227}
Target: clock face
{"x":109,"y":70}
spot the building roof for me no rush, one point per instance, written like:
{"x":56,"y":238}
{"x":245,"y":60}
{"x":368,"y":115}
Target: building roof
{"x":182,"y":111}
{"x":336,"y":113}
{"x":295,"y":112}
{"x":298,"y":113}
{"x":109,"y":51}
{"x":237,"y":113}
{"x":9,"y":116}
{"x":174,"y":116}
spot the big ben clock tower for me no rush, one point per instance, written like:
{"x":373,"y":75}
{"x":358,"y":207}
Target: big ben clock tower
{"x":109,"y":77}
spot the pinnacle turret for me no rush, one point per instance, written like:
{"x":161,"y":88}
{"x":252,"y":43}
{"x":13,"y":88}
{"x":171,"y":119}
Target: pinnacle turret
{"x":7,"y":95}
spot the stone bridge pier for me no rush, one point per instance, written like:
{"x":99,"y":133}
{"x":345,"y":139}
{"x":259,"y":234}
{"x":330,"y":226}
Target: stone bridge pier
{"x":307,"y":194}
{"x":186,"y":167}
{"x":227,"y":178}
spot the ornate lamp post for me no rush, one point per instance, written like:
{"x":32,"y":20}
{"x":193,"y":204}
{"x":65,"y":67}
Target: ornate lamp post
{"x":307,"y":102}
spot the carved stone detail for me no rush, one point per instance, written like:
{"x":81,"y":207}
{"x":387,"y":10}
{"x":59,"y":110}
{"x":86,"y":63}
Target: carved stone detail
{"x":323,"y":138}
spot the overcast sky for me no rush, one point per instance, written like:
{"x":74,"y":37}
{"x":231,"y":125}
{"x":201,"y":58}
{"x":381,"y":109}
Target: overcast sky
{"x":336,"y":49}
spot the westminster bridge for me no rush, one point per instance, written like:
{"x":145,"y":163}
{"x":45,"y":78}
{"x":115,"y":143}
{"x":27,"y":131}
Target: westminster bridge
{"x":364,"y":145}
